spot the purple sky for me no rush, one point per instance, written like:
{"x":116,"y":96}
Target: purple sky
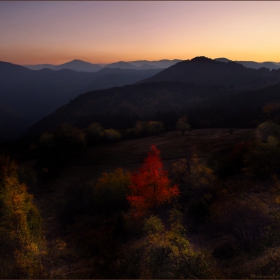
{"x":109,"y":31}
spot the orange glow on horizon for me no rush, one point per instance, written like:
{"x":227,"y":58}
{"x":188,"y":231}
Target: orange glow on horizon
{"x":104,"y":32}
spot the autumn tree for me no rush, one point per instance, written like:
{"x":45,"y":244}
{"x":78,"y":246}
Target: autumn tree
{"x":165,"y":252}
{"x":20,"y":227}
{"x":150,"y":186}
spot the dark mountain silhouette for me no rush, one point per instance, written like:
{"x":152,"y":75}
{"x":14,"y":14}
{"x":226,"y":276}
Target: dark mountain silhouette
{"x":205,"y":106}
{"x":253,"y":64}
{"x":112,"y":77}
{"x":140,"y":73}
{"x":240,"y":110}
{"x":35,"y":94}
{"x":184,"y":86}
{"x":141,"y":99}
{"x":202,"y":70}
{"x":79,"y":65}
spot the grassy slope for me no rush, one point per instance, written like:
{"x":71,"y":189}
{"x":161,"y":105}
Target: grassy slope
{"x":128,"y":155}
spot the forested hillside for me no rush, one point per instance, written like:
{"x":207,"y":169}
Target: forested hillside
{"x":205,"y":106}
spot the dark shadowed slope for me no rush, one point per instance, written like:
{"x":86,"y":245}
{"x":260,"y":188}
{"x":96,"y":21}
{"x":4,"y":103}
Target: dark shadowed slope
{"x":11,"y":123}
{"x":35,"y":94}
{"x":141,"y":99}
{"x":112,"y":77}
{"x":145,"y":99}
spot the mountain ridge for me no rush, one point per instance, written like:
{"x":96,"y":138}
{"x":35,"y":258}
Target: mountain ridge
{"x":138,"y":64}
{"x":34,"y":94}
{"x":204,"y":70}
{"x":163,"y":63}
{"x":184,"y":84}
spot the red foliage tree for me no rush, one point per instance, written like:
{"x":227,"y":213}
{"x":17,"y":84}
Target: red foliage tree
{"x":150,"y":185}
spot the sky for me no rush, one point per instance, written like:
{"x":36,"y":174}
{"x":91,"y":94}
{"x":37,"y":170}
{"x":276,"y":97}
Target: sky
{"x":38,"y":32}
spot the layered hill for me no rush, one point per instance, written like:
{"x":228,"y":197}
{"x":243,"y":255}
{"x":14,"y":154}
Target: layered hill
{"x":200,"y":83}
{"x":79,"y":66}
{"x":83,"y":66}
{"x":28,"y":95}
{"x":75,"y":65}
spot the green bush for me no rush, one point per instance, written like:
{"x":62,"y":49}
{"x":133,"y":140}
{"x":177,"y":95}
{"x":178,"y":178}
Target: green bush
{"x":94,"y":134}
{"x":153,"y":127}
{"x":147,"y":128}
{"x":111,"y":190}
{"x":69,"y":139}
{"x":111,"y":135}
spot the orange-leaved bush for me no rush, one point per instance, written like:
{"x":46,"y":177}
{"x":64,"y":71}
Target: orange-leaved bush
{"x":150,"y":186}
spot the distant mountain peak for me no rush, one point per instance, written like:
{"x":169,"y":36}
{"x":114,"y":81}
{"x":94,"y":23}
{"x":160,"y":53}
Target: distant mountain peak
{"x":201,"y":59}
{"x":77,"y":60}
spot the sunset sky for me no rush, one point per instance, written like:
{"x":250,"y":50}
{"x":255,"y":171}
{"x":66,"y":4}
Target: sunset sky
{"x":110,"y":31}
